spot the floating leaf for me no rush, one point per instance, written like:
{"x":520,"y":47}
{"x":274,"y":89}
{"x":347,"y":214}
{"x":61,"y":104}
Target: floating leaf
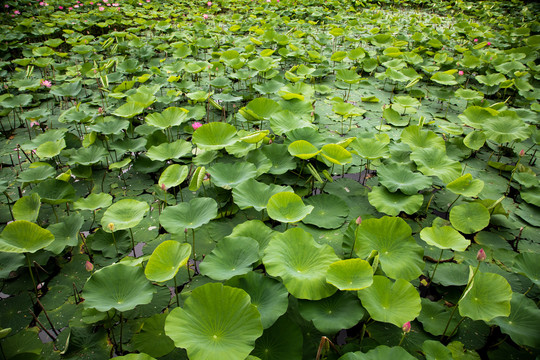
{"x":444,"y":237}
{"x":124,"y":214}
{"x":287,"y":207}
{"x":392,"y":203}
{"x":166,"y":260}
{"x":469,"y":217}
{"x":22,"y":236}
{"x":173,"y":175}
{"x":191,"y":215}
{"x":166,"y":151}
{"x":93,"y":202}
{"x":27,"y":208}
{"x":283,"y":340}
{"x":215,"y":136}
{"x":465,"y":185}
{"x":329,"y":211}
{"x":231,"y":175}
{"x":350,"y":274}
{"x":230,"y":257}
{"x":252,"y":193}
{"x":303,"y":149}
{"x":398,"y":176}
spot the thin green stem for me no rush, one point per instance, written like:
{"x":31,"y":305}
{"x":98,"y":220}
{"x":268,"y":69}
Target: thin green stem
{"x":121,"y":330}
{"x":176,"y":291}
{"x":31,"y":273}
{"x":402,"y":338}
{"x":132,"y":242}
{"x":434,"y":270}
{"x":193,"y":251}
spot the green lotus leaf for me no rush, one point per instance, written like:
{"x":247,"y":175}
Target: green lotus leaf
{"x":444,"y":237}
{"x":166,"y":151}
{"x":381,"y":352}
{"x":252,"y":193}
{"x":491,"y":79}
{"x":230,"y":175}
{"x":166,"y":260}
{"x":347,"y":110}
{"x":259,"y":109}
{"x":399,"y":254}
{"x":406,"y":101}
{"x":348,"y":76}
{"x":173,"y":175}
{"x":465,"y":185}
{"x":171,"y":116}
{"x":190,"y":215}
{"x":395,"y":75}
{"x":36,"y":174}
{"x":118,"y":286}
{"x":435,"y":315}
{"x":523,"y":323}
{"x":215,"y":136}
{"x":394,"y":118}
{"x":392,"y":203}
{"x":268,"y":295}
{"x":301,"y":264}
{"x":444,"y":78}
{"x":477,"y":116}
{"x":136,"y":357}
{"x":129,"y":109}
{"x":120,"y":164}
{"x":531,"y":195}
{"x":370,"y":148}
{"x":434,"y":350}
{"x":416,"y":137}
{"x":151,"y":338}
{"x":124,"y":214}
{"x":469,"y":217}
{"x":332,"y":314}
{"x":88,"y":156}
{"x":303,"y":149}
{"x":255,"y":136}
{"x":283,"y":340}
{"x":93,"y":202}
{"x":486,"y":298}
{"x":528,"y":264}
{"x":392,"y":302}
{"x":398,"y":176}
{"x":469,"y":95}
{"x":350,"y":274}
{"x":21,"y":236}
{"x":435,"y":162}
{"x":287,"y":207}
{"x":10,"y":262}
{"x":284,"y":121}
{"x":279,"y":157}
{"x":298,"y":91}
{"x":329,"y":211}
{"x":230,"y":257}
{"x":475,"y":140}
{"x":27,"y":208}
{"x":336,"y":154}
{"x":66,"y":233}
{"x":254,"y":229}
{"x":50,"y":149}
{"x":55,"y":192}
{"x":197,"y":178}
{"x":506,"y":127}
{"x":216,"y":322}
{"x":110,"y":126}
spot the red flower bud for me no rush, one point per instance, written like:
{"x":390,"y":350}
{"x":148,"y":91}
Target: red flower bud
{"x":481,"y":255}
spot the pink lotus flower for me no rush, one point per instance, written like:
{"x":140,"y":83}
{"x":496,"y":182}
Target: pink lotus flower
{"x":42,"y":3}
{"x":475,"y":40}
{"x":6,"y":6}
{"x":89,"y":266}
{"x":488,"y":43}
{"x":70,"y":8}
{"x":196,"y":125}
{"x":209,"y":3}
{"x":17,"y":12}
{"x":34,"y":123}
{"x":46,"y":83}
{"x":101,"y":8}
{"x":205,"y":16}
{"x":481,"y":255}
{"x":61,"y":7}
{"x":91,"y":3}
{"x":358,"y":220}
{"x":163,"y":187}
{"x":75,"y":6}
{"x":460,"y":73}
{"x":406,"y":327}
{"x":522,"y":152}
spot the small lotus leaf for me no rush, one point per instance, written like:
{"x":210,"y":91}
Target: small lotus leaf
{"x":303,"y":149}
{"x":27,"y":208}
{"x":166,"y":260}
{"x":469,"y":217}
{"x":444,"y":237}
{"x":350,"y":274}
{"x":216,"y":322}
{"x":124,"y":214}
{"x":93,"y":202}
{"x":301,"y":263}
{"x":191,"y":215}
{"x":393,"y":203}
{"x":215,"y":136}
{"x":55,"y":192}
{"x":475,"y":140}
{"x":22,"y":236}
{"x":392,"y":302}
{"x":173,"y":175}
{"x":465,"y":185}
{"x":336,"y":154}
{"x":287,"y":207}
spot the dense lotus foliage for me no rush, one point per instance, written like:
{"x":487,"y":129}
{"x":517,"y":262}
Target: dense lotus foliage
{"x":277,"y":179}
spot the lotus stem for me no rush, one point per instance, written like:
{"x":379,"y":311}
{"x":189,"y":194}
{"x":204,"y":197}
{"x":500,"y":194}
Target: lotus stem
{"x":31,"y":273}
{"x":434,"y":270}
{"x":176,"y":291}
{"x":41,"y":326}
{"x":452,"y":203}
{"x":47,"y":316}
{"x":121,"y":330}
{"x":193,"y":251}
{"x":55,"y":214}
{"x":132,"y":242}
{"x":114,"y":241}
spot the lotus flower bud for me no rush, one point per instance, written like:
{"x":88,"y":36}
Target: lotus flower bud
{"x":89,"y":266}
{"x":481,"y":255}
{"x":163,"y":187}
{"x":196,"y":125}
{"x":406,"y":327}
{"x":358,"y":220}
{"x":111,"y":226}
{"x":522,"y":152}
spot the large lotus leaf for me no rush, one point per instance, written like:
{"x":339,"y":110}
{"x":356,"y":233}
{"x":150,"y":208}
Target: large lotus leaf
{"x":278,"y":155}
{"x":347,"y":110}
{"x":166,"y":151}
{"x":506,"y":127}
{"x":301,"y":263}
{"x":336,"y":154}
{"x":66,"y":233}
{"x":283,"y":340}
{"x":88,"y":156}
{"x":173,"y":175}
{"x":268,"y":295}
{"x":25,"y":344}
{"x":406,"y":101}
{"x":528,"y":264}
{"x":151,"y":338}
{"x":55,"y":192}
{"x":465,"y":185}
{"x":171,"y":116}
{"x":486,"y":298}
{"x":370,"y":148}
{"x":350,"y":274}
{"x":231,"y":257}
{"x":252,"y":193}
{"x":230,"y":175}
{"x":434,"y":350}
{"x":399,"y":254}
{"x":254,"y":229}
{"x":531,"y":195}
{"x":287,"y":207}
{"x":435,"y":162}
{"x":22,"y":236}
{"x":27,"y":208}
{"x":86,"y":341}
{"x":124,"y":214}
{"x":259,"y":109}
{"x":416,"y":137}
{"x":435,"y":315}
{"x":476,"y":116}
{"x":392,"y":302}
{"x":469,"y":217}
{"x":36,"y":174}
{"x":215,"y":136}
{"x":16,"y":101}
{"x":392,"y":203}
{"x":191,"y":215}
{"x":50,"y":149}
{"x":444,"y":237}
{"x":444,"y":78}
{"x":118,"y":286}
{"x":303,"y":149}
{"x":398,"y":176}
{"x":491,"y":79}
{"x":216,"y":322}
{"x":166,"y":260}
{"x":329,"y":211}
{"x":284,"y":121}
{"x":332,"y":314}
{"x":129,"y":109}
{"x":93,"y":202}
{"x":523,"y":323}
{"x":381,"y":352}
{"x":469,"y":95}
{"x":111,"y":125}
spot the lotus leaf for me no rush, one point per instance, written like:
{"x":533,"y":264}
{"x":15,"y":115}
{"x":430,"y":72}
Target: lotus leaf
{"x":370,"y":148}
{"x":350,"y":274}
{"x":283,"y":340}
{"x":398,"y":176}
{"x":284,"y":121}
{"x":303,"y":149}
{"x":36,"y":174}
{"x":232,"y":256}
{"x":151,"y":338}
{"x":469,"y":217}
{"x":172,"y":116}
{"x":166,"y":151}
{"x":254,"y":229}
{"x":166,"y":260}
{"x":444,"y":237}
{"x":399,"y":255}
{"x":506,"y":127}
{"x":231,"y":175}
{"x":329,"y":211}
{"x":118,"y":286}
{"x":259,"y":109}
{"x":301,"y":264}
{"x":252,"y":193}
{"x":392,"y":203}
{"x":173,"y":175}
{"x":216,"y":322}
{"x":475,"y":140}
{"x":379,"y":353}
{"x":435,"y":315}
{"x":477,"y":116}
{"x":392,"y":302}
{"x":22,"y":236}
{"x":435,"y":162}
{"x":215,"y":136}
{"x":416,"y":138}
{"x":124,"y":214}
{"x":190,"y":215}
{"x":66,"y":233}
{"x":55,"y":192}
{"x":93,"y":202}
{"x":434,"y":350}
{"x":528,"y":264}
{"x":287,"y":207}
{"x":27,"y":208}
